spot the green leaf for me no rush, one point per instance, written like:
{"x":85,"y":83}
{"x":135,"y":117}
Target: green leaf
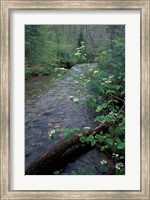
{"x":83,"y":58}
{"x":110,"y":129}
{"x":78,"y":92}
{"x":118,"y":141}
{"x":76,"y":130}
{"x":90,"y":138}
{"x":121,"y":145}
{"x":118,"y":87}
{"x":93,"y":169}
{"x":100,"y":138}
{"x":86,"y":129}
{"x":83,"y":171}
{"x":101,"y":107}
{"x":56,"y":172}
{"x":123,"y":92}
{"x":57,"y":130}
{"x":110,"y":92}
{"x":110,"y":118}
{"x":121,"y":157}
{"x":67,"y":137}
{"x":99,"y":118}
{"x":76,"y":101}
{"x":82,"y":139}
{"x":73,"y":172}
{"x":68,"y":131}
{"x":93,"y":142}
{"x":109,"y":141}
{"x":102,"y":148}
{"x":52,"y":137}
{"x":106,"y":147}
{"x":92,"y":101}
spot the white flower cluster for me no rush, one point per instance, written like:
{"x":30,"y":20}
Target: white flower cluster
{"x":51,"y":132}
{"x":103,"y":162}
{"x":119,"y":166}
{"x":114,"y":114}
{"x":77,"y":54}
{"x":71,"y":97}
{"x":115,"y":155}
{"x":88,"y":81}
{"x":96,"y":72}
{"x":74,"y":99}
{"x":87,"y":128}
{"x":82,"y":75}
{"x":62,"y":68}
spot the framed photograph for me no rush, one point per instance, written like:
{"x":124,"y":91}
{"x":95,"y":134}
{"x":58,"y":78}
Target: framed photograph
{"x":75,"y":99}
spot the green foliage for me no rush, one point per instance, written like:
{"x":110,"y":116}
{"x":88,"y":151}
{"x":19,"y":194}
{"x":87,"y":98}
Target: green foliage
{"x":87,"y":129}
{"x":103,"y":164}
{"x":28,"y":71}
{"x":68,"y":132}
{"x":121,"y":145}
{"x":74,"y":99}
{"x":92,"y":101}
{"x":52,"y":133}
{"x":80,"y":54}
{"x":43,"y":53}
{"x":93,"y":169}
{"x":56,"y":172}
{"x":54,"y":46}
{"x":100,"y":138}
{"x":76,"y":130}
{"x":101,"y":107}
{"x":73,"y":172}
{"x":120,"y":170}
{"x":105,"y":83}
{"x":83,"y":171}
{"x":99,"y":118}
{"x":82,"y":139}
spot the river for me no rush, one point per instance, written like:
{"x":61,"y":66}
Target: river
{"x":47,"y":107}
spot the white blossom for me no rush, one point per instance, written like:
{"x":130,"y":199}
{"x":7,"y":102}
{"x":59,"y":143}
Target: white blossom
{"x":119,"y":166}
{"x":96,"y":72}
{"x":103,"y":162}
{"x":87,"y":128}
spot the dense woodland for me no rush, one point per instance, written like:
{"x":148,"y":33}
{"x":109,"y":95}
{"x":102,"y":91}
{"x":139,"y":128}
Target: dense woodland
{"x":54,"y":49}
{"x":48,"y":47}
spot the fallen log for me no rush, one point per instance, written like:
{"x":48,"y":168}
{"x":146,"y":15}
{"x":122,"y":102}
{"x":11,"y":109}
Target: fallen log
{"x":60,"y":153}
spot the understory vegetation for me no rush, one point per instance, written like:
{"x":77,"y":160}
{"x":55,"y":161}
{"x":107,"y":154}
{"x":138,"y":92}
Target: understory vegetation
{"x":105,"y":83}
{"x":49,"y":49}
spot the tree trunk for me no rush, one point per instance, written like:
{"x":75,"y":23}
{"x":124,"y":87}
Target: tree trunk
{"x":90,"y":36}
{"x":59,"y":155}
{"x":56,"y":34}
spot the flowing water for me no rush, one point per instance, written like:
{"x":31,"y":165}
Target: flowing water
{"x":47,"y":107}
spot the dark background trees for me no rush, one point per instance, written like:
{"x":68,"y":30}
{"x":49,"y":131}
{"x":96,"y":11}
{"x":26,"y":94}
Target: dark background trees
{"x":50,"y":46}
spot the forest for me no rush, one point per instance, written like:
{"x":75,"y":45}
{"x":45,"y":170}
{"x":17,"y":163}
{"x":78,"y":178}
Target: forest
{"x":75,"y":99}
